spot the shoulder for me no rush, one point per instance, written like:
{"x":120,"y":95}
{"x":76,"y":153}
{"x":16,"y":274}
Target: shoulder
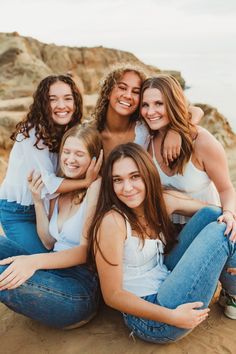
{"x":114,"y":222}
{"x":206,"y":144}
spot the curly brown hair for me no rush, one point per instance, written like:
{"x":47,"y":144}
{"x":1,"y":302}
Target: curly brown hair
{"x":176,"y":107}
{"x":39,"y":115}
{"x":107,"y":85}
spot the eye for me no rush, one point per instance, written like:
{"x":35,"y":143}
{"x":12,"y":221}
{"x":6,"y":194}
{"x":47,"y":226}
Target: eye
{"x":122,"y":87}
{"x":69,"y":99}
{"x":136,"y":92}
{"x":66,"y":152}
{"x":144,"y":104}
{"x":52,"y":99}
{"x":136,"y":176}
{"x":159,"y":103}
{"x":116,"y":180}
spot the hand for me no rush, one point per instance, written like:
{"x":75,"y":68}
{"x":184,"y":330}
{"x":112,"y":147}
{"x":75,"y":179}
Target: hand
{"x":172,"y":146}
{"x":20,"y":269}
{"x":94,"y":168}
{"x":232,"y":271}
{"x":228,"y":219}
{"x":185,"y":316}
{"x":35,"y":185}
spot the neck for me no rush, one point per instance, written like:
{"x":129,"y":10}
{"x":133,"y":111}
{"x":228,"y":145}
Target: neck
{"x":117,"y":123}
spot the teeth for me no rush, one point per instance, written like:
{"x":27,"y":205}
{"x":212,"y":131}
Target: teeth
{"x":125,"y":103}
{"x":152,"y":119}
{"x":61,"y":114}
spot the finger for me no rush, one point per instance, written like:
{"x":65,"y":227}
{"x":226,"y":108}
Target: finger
{"x":170,"y":155}
{"x":16,"y":283}
{"x":196,"y":304}
{"x":165,"y":158}
{"x":11,"y":282}
{"x":177,"y":151}
{"x":229,"y":227}
{"x":7,"y":280}
{"x":233,"y":232}
{"x":6,"y":261}
{"x":232,"y":271}
{"x":30,"y":176}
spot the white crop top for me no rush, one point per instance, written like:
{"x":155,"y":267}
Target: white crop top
{"x":24,"y":158}
{"x":193,"y":182}
{"x":72,"y":229}
{"x":143,"y":268}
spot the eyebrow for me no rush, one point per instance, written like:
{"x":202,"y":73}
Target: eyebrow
{"x":130,"y":174}
{"x":123,"y":83}
{"x":67,"y":95}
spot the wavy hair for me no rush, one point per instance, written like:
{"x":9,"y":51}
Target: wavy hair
{"x":107,"y":85}
{"x":39,"y":115}
{"x":177,"y":111}
{"x":155,"y":212}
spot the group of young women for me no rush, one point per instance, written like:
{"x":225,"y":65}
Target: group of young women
{"x":71,"y":218}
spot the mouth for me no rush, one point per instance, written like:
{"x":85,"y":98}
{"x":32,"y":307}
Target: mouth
{"x":62,"y":114}
{"x":72,"y":167}
{"x":125,"y":104}
{"x":154,"y":119}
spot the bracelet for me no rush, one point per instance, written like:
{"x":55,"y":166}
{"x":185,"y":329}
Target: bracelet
{"x":231,"y":212}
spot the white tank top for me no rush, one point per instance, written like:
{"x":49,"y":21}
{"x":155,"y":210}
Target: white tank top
{"x":72,"y":229}
{"x":142,"y":136}
{"x":193,"y":182}
{"x":143,"y":268}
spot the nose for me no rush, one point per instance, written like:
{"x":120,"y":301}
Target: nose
{"x":61,"y":103}
{"x":128,"y":93}
{"x":151,"y":110}
{"x":127,"y":186}
{"x":71,"y":158}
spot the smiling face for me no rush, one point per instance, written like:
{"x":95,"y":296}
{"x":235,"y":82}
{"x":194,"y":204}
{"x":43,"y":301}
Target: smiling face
{"x":128,"y":185}
{"x":75,"y":158}
{"x":61,"y":103}
{"x":153,"y":109}
{"x":124,"y":97}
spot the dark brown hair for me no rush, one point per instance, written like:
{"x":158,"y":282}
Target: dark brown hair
{"x":154,"y":205}
{"x":177,"y":111}
{"x":39,"y":115}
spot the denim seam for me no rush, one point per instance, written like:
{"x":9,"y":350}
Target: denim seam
{"x":56,"y":292}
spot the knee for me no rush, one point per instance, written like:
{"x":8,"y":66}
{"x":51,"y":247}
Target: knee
{"x":211,"y":212}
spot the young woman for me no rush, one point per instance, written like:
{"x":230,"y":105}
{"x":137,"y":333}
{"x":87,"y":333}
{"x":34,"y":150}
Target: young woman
{"x":116,"y":113}
{"x":131,"y":231}
{"x":201,"y":169}
{"x":57,"y":106}
{"x":36,"y":285}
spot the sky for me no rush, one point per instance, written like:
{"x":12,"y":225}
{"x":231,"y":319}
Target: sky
{"x":193,"y":36}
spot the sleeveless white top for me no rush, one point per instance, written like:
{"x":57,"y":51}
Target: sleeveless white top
{"x":24,"y":158}
{"x":142,"y":136}
{"x":143,"y":268}
{"x":193,"y":182}
{"x":72,"y":229}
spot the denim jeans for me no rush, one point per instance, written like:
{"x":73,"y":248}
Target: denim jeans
{"x":19,"y":224}
{"x":197,"y":262}
{"x":57,"y":298}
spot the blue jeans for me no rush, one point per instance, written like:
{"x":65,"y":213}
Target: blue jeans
{"x":57,"y":298}
{"x":19,"y":225}
{"x":197,"y":262}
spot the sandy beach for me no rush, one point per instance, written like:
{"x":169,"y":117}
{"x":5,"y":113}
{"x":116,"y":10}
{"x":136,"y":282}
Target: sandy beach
{"x":106,"y":333}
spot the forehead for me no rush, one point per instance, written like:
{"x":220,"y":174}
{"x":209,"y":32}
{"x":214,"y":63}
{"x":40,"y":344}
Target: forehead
{"x":124,"y":166}
{"x":130,"y":78}
{"x":60,"y":88}
{"x":74,"y":143}
{"x":152,"y":94}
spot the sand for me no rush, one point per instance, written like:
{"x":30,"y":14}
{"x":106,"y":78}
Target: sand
{"x":107,"y":334}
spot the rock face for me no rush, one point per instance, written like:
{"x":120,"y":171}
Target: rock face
{"x":218,"y":125}
{"x":25,"y":61}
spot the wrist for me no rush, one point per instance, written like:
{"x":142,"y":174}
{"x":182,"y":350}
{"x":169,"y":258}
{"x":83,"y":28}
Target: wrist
{"x":229,"y":212}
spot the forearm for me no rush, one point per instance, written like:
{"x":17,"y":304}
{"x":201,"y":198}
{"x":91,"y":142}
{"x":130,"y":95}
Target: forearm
{"x":127,"y":302}
{"x":69,"y":185}
{"x":62,"y":259}
{"x":228,"y":199}
{"x":42,"y":225}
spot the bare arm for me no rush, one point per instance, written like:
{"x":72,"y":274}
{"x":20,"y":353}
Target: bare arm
{"x":180,"y":203}
{"x":211,"y":156}
{"x":196,"y":114}
{"x":112,"y":244}
{"x":42,"y":221}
